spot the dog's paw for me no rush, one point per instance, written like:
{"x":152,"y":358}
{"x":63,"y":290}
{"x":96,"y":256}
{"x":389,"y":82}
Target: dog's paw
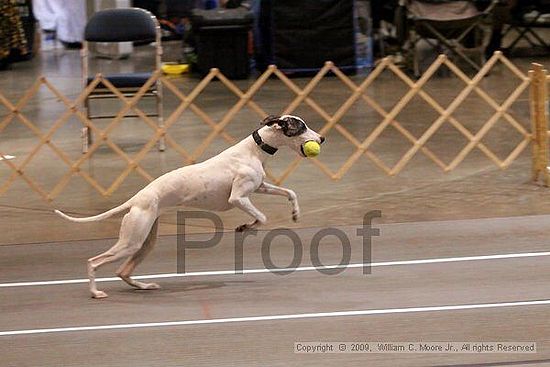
{"x":295,"y":215}
{"x":150,"y":286}
{"x":248,"y":226}
{"x":99,"y":295}
{"x":242,"y":228}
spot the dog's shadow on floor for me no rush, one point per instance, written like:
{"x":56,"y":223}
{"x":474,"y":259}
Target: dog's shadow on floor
{"x":182,"y":287}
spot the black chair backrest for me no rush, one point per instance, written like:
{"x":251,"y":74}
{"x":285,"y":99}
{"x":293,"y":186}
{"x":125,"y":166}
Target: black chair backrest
{"x":121,"y":25}
{"x":443,"y":11}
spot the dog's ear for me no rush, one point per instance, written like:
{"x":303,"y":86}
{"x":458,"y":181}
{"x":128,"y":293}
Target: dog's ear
{"x":270,"y":120}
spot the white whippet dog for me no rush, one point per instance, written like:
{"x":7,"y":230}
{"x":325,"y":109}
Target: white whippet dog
{"x":220,"y":183}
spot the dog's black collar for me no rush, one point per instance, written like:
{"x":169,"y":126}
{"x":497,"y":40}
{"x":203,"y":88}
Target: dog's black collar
{"x":265,"y":147}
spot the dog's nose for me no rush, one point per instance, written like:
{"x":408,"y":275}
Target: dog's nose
{"x":322,"y":138}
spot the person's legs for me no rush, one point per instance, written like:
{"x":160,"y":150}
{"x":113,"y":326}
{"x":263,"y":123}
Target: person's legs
{"x":45,"y":14}
{"x":71,"y":20}
{"x":501,"y":14}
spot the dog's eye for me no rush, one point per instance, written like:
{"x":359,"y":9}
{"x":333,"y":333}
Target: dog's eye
{"x":295,"y":128}
{"x":283,"y":124}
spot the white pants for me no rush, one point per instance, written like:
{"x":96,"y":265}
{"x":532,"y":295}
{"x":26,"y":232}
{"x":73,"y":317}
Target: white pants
{"x":67,"y":18}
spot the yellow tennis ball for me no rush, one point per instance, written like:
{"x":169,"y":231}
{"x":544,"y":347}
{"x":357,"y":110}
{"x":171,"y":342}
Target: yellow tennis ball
{"x":312,"y":148}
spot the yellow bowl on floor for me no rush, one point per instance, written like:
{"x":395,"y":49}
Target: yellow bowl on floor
{"x":173,"y":68}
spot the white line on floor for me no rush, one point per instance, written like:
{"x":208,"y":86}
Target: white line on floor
{"x":304,"y":268}
{"x":277,"y":317}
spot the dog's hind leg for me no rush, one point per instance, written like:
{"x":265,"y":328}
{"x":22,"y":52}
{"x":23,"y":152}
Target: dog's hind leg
{"x":128,"y":267}
{"x":95,"y":262}
{"x":135,"y":228}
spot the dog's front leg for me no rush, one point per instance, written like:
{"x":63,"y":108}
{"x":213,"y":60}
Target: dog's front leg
{"x":240,"y":191}
{"x":269,"y":189}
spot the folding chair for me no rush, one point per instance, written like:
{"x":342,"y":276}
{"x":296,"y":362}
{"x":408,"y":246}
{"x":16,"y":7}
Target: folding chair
{"x":121,"y":25}
{"x":526,"y":18}
{"x":453,"y":26}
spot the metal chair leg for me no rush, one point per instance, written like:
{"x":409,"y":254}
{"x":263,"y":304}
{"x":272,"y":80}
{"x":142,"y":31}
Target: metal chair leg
{"x":416,"y":62}
{"x":162,"y":142}
{"x":86,"y":139}
{"x":160,"y":118}
{"x":85,"y":134}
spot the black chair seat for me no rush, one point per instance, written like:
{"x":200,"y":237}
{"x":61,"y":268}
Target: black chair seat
{"x":133,"y":80}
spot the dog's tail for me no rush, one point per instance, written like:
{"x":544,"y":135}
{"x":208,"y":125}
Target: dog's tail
{"x":101,"y":216}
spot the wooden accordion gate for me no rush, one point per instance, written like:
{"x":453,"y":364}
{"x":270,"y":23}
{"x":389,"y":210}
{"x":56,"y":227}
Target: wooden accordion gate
{"x":302,"y":96}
